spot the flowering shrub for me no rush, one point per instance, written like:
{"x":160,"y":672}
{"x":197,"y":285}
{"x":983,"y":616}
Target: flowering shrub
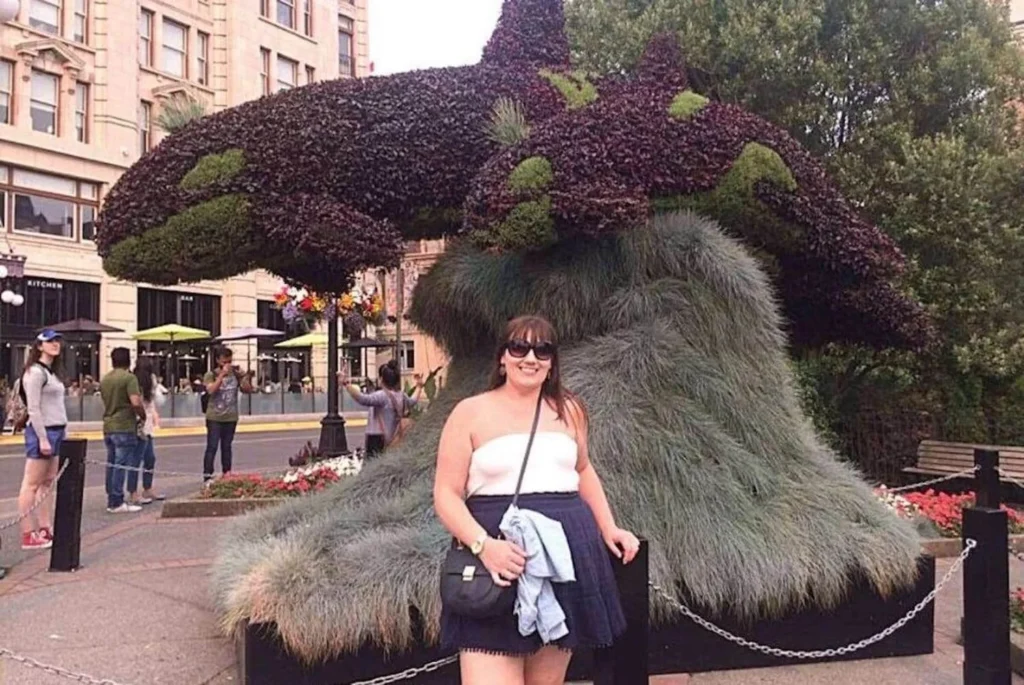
{"x":305,"y":306}
{"x":1017,"y":610}
{"x":294,"y":483}
{"x":942,"y":509}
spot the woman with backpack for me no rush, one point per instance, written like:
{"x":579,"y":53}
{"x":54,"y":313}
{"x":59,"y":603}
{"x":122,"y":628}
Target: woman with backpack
{"x":389,"y":407}
{"x":45,"y":420}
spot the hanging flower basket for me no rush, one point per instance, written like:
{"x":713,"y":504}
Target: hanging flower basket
{"x":357,"y":309}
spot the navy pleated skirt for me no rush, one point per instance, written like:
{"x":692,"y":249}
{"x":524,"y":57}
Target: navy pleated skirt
{"x":591,"y":603}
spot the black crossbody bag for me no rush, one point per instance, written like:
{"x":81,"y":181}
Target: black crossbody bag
{"x":467,"y":588}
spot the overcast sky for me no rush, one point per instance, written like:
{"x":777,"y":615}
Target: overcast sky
{"x":417,"y":34}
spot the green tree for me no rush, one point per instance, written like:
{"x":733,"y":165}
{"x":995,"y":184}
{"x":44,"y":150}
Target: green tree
{"x":908,"y":104}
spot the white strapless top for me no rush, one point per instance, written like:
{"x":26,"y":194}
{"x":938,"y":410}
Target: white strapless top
{"x":494,"y":466}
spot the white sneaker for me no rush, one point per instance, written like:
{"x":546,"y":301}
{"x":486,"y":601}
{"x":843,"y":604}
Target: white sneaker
{"x":125,"y":508}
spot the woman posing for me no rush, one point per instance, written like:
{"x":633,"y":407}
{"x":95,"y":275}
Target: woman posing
{"x":387,"y":406}
{"x":145,"y":456}
{"x":478,"y":464}
{"x":47,"y":418}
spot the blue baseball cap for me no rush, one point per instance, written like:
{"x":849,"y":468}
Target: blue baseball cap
{"x":48,"y":334}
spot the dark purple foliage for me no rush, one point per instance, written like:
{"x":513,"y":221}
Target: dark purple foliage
{"x":612,"y":158}
{"x":529,"y":32}
{"x":337,"y":174}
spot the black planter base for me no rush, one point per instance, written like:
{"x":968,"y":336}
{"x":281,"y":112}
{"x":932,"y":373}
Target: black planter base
{"x":682,"y":647}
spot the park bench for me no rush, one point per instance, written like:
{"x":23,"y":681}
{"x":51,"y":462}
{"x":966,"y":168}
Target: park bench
{"x":936,"y":458}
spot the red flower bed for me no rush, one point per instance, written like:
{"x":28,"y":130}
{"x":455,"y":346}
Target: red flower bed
{"x":254,"y":485}
{"x":946,"y":511}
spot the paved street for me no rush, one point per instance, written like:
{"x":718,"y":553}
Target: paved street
{"x":182,"y":454}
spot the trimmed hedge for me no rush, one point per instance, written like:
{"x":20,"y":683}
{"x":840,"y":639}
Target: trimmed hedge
{"x":686,"y":104}
{"x":531,"y":174}
{"x":213,"y":169}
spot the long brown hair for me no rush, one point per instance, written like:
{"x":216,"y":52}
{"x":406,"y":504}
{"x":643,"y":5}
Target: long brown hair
{"x":35,"y":357}
{"x":538,"y":329}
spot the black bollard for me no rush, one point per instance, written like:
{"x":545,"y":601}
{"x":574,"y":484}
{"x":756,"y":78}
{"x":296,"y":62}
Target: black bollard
{"x":67,"y":516}
{"x":625,"y":662}
{"x":986,"y":622}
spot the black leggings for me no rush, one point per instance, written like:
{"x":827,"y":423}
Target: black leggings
{"x":374,"y":446}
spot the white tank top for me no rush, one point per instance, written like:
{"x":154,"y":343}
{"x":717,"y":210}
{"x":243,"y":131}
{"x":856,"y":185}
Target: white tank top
{"x":494,"y":466}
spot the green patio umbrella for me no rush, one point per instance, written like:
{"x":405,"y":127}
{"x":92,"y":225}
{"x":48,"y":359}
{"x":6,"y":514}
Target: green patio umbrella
{"x":172,"y":333}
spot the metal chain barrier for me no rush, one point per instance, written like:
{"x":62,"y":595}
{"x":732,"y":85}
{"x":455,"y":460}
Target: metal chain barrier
{"x":1004,"y":475}
{"x":407,"y":673}
{"x":39,"y":502}
{"x":969,"y":545}
{"x":55,"y":670}
{"x":933,"y":481}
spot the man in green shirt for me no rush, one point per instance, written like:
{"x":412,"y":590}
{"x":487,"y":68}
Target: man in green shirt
{"x":222,"y":387}
{"x":122,"y":412}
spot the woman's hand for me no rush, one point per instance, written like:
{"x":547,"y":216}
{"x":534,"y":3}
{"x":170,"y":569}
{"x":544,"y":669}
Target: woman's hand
{"x":343,"y":378}
{"x":504,"y":560}
{"x":623,"y":544}
{"x":44,"y":448}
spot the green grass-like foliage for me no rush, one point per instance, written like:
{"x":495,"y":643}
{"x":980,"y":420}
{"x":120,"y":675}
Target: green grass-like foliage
{"x":574,"y":86}
{"x":197,"y":240}
{"x":704,"y":450}
{"x":532,"y":174}
{"x":508,"y":125}
{"x":686,"y":104}
{"x":214,"y":168}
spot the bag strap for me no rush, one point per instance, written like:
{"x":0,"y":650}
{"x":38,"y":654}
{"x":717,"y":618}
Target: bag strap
{"x":529,"y":444}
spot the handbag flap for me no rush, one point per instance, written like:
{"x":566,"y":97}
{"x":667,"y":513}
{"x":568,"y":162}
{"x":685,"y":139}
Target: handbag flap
{"x":461,"y":562}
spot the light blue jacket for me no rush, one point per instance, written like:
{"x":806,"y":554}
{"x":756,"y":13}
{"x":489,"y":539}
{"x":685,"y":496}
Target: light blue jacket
{"x":548,"y":561}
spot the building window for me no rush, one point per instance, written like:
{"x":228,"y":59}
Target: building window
{"x":45,"y":16}
{"x":6,"y":92}
{"x":146,"y":38}
{"x":45,"y":91}
{"x":286,"y":13}
{"x":307,"y":17}
{"x":203,"y":58}
{"x":81,"y":25}
{"x":287,"y":73}
{"x":265,"y":70}
{"x":145,"y":117}
{"x":51,"y":205}
{"x":346,"y":34}
{"x":82,"y":113}
{"x":310,"y":74}
{"x":175,"y":49}
{"x":409,"y":348}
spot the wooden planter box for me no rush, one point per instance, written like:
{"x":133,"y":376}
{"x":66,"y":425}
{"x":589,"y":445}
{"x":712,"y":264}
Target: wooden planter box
{"x":194,"y":507}
{"x":681,"y":647}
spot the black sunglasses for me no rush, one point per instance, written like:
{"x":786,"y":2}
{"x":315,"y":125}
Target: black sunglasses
{"x":543,"y":351}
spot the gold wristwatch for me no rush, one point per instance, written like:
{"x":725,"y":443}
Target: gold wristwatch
{"x":478,"y":545}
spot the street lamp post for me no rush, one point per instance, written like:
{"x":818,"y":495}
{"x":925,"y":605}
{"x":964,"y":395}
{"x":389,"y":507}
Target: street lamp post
{"x":333,"y":441}
{"x":8,"y":296}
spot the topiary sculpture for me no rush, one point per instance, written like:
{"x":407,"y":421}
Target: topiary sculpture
{"x":671,"y":334}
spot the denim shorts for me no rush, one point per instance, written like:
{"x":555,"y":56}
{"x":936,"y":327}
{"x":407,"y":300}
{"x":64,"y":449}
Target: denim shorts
{"x":54,"y":434}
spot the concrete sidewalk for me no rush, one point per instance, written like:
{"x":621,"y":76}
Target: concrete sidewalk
{"x":139,"y":612}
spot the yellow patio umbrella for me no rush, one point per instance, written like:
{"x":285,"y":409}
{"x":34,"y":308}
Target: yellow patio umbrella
{"x":314,"y":339}
{"x":172,"y":333}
